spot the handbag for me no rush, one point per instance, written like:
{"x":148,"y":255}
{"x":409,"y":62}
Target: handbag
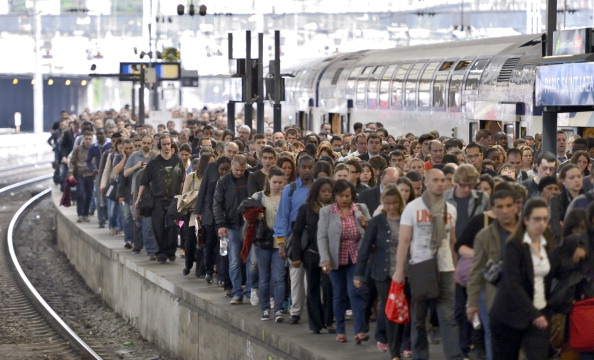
{"x":396,"y":305}
{"x":557,"y":335}
{"x":492,"y":271}
{"x":112,"y":189}
{"x":186,"y":201}
{"x":289,"y":243}
{"x":462,"y":272}
{"x":424,"y":280}
{"x":581,"y":323}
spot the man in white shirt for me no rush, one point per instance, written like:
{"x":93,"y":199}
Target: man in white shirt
{"x":427,"y":234}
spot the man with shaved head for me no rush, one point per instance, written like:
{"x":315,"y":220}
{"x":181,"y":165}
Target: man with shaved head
{"x":427,"y":229}
{"x":371,"y":197}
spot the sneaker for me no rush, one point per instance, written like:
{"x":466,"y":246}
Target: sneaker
{"x":294,"y":319}
{"x":348,"y":315}
{"x":112,"y":231}
{"x":80,"y":219}
{"x":407,"y":354}
{"x":254,"y":299}
{"x":208,"y":279}
{"x":236,"y":300}
{"x":127,"y":245}
{"x":86,"y":219}
{"x":279,"y":317}
{"x":265,"y":315}
{"x":228,"y":293}
{"x":152,"y":257}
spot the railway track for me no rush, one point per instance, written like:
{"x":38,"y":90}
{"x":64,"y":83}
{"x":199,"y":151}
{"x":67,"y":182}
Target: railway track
{"x":41,"y":333}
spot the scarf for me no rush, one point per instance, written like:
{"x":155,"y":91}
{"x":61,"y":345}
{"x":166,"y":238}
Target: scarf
{"x":438,"y":216}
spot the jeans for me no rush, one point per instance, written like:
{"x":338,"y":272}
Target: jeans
{"x":447,"y":325}
{"x":127,"y":222}
{"x":253,"y":273}
{"x":271,"y":270}
{"x":101,"y":205}
{"x":148,"y":236}
{"x":484,"y":317}
{"x":84,"y":194}
{"x":234,"y":250}
{"x":136,"y":226}
{"x":113,"y":210}
{"x":460,"y":316}
{"x":342,"y":285}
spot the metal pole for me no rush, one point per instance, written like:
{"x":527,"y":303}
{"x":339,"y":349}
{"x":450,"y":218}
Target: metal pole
{"x":247,"y":90}
{"x":277,"y":113}
{"x":133,"y":98}
{"x":141,"y":97}
{"x":231,"y":115}
{"x":38,"y":85}
{"x":549,"y":118}
{"x":260,"y":101}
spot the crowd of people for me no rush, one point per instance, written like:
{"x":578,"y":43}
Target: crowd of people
{"x":312,"y":224}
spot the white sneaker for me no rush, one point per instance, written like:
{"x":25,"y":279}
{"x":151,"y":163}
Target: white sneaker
{"x":254,"y":299}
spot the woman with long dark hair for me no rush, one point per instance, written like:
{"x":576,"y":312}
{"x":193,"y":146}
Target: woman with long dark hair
{"x":518,"y":315}
{"x":319,"y":305}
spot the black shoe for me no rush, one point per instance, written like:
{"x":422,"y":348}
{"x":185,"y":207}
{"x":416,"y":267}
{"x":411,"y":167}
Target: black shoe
{"x":92,"y":212}
{"x":294,"y":319}
{"x":208,"y":279}
{"x":136,"y":251}
{"x":172,"y":258}
{"x":161,"y":259}
{"x":185,"y":271}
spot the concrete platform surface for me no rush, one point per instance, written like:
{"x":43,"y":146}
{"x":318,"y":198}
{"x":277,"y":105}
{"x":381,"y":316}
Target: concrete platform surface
{"x":184,"y":315}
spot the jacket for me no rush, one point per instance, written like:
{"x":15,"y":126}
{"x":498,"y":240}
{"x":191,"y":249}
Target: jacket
{"x":487,"y":245}
{"x":226,"y":203}
{"x":478,"y":203}
{"x":250,"y":208}
{"x":203,"y":206}
{"x":512,"y":305}
{"x":371,"y":198}
{"x":307,"y":220}
{"x":330,"y":230}
{"x":290,"y":202}
{"x":77,"y":166}
{"x":377,"y":233}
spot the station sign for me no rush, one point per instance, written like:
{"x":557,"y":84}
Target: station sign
{"x":571,"y":42}
{"x":130,"y":71}
{"x":565,"y":85}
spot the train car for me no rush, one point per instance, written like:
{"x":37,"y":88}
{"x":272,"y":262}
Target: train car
{"x":455,"y":88}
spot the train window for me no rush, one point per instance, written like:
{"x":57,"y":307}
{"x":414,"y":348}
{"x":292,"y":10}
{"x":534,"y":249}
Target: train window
{"x":455,"y":93}
{"x":410,"y":98}
{"x":352,"y":81}
{"x":372,"y":87}
{"x":425,"y":84}
{"x":447,"y":65}
{"x":439,"y":85}
{"x":462,"y":65}
{"x":384,"y":86}
{"x":475,"y":73}
{"x":361,"y":92}
{"x":367,"y":71}
{"x":397,"y":84}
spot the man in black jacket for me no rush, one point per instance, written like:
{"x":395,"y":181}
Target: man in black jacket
{"x":231,"y":190}
{"x":371,"y":197}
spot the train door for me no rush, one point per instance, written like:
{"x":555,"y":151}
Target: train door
{"x":302,"y":120}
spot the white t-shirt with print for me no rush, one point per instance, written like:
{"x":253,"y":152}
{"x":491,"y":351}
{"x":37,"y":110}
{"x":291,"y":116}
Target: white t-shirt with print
{"x":418,"y":216}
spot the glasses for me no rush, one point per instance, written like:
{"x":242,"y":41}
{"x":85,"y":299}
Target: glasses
{"x":540,"y":218}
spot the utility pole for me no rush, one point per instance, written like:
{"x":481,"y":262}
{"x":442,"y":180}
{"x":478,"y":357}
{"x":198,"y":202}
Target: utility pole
{"x":38,"y":84}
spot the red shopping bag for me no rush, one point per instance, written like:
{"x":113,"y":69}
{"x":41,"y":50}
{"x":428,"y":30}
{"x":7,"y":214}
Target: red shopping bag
{"x":581,"y":323}
{"x":396,"y":305}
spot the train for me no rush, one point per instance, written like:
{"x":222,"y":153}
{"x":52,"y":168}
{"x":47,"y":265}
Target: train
{"x":455,"y":88}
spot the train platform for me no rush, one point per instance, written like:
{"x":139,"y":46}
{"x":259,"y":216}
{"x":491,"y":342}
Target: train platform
{"x":182,"y":314}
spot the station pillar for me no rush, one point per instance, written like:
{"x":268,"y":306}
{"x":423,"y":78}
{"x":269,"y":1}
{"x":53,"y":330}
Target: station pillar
{"x":549,"y":131}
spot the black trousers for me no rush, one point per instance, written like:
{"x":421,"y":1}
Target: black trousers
{"x":164,"y":229}
{"x":460,"y":316}
{"x":507,"y":341}
{"x":211,"y":245}
{"x":320,"y":313}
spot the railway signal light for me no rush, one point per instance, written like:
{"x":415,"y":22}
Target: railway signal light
{"x":181,"y":9}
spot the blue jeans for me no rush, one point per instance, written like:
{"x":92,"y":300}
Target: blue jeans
{"x":342,"y":284}
{"x":272,"y":271}
{"x":84,"y":194}
{"x":127,"y":222}
{"x":484,"y":317}
{"x":253,"y":279}
{"x":448,"y":327}
{"x":234,"y":250}
{"x":148,"y":236}
{"x":113,"y":213}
